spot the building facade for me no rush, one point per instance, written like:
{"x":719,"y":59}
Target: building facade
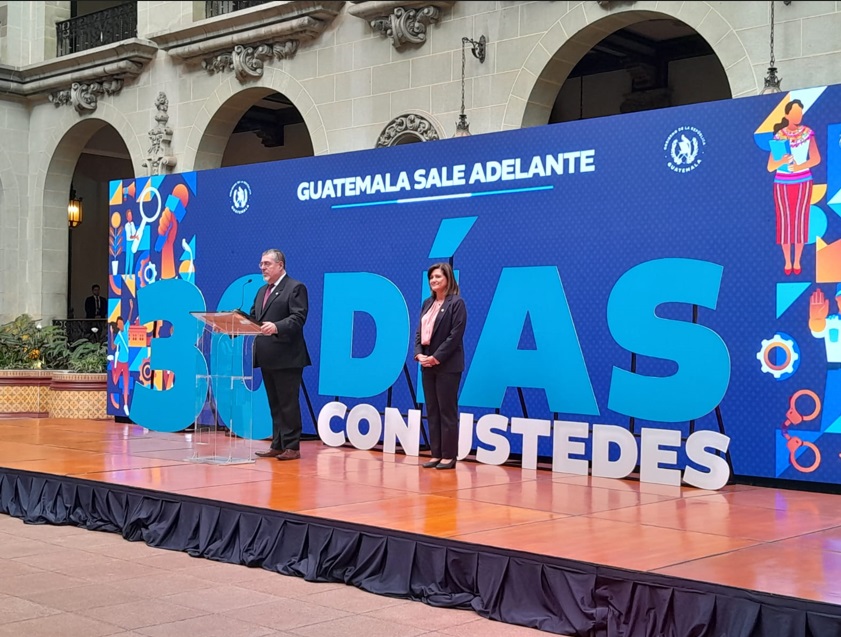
{"x":94,"y":91}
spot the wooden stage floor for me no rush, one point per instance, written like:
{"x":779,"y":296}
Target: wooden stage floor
{"x":769,"y":540}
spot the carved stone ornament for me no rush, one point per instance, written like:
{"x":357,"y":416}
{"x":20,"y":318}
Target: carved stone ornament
{"x":158,"y":158}
{"x":608,"y":4}
{"x":409,"y":125}
{"x":402,"y":21}
{"x":247,"y":61}
{"x":406,"y":25}
{"x":245,"y":41}
{"x":83,"y":97}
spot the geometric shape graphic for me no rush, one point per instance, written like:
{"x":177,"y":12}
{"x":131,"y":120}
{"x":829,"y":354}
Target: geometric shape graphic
{"x":835,"y":203}
{"x":817,"y":223}
{"x":118,"y":191}
{"x":136,"y":357}
{"x":190,"y":180}
{"x":116,"y":194}
{"x":143,"y":193}
{"x":451,"y":233}
{"x":827,"y":261}
{"x":833,"y":175}
{"x":779,"y":356}
{"x":831,"y":418}
{"x":818,"y":192}
{"x":130,"y":284}
{"x":765,"y":132}
{"x":835,"y":427}
{"x":114,"y":309}
{"x":807,"y":95}
{"x":177,"y":202}
{"x":788,"y":293}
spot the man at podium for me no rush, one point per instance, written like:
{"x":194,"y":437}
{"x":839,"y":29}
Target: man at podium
{"x":280,"y":351}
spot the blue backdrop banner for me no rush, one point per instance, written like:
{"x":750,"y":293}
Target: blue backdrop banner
{"x":656,"y":290}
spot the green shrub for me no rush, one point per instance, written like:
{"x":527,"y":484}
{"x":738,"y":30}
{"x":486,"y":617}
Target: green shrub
{"x":87,"y":357}
{"x":24,"y":344}
{"x":20,"y":344}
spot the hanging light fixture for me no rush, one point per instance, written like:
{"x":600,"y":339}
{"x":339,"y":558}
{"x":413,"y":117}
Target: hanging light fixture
{"x":74,"y":209}
{"x":74,"y":219}
{"x":772,"y":82}
{"x":478,"y":50}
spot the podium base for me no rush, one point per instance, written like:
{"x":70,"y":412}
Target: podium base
{"x":221,"y":460}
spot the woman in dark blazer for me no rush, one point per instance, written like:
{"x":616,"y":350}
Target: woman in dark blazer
{"x":439,"y":349}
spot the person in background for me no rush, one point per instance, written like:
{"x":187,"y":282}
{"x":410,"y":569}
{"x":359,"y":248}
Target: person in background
{"x":95,"y":304}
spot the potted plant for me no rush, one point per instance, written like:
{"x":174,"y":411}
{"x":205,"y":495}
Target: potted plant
{"x":79,"y":389}
{"x":42,"y":375}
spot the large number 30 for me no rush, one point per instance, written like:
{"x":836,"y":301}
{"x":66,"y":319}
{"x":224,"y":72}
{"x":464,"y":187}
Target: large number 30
{"x":178,"y":407}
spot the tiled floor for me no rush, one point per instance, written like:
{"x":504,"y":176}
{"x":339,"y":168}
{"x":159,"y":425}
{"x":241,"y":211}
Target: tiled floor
{"x":69,"y":582}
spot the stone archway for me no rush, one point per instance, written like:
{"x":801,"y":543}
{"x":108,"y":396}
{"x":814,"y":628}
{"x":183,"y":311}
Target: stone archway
{"x":579,"y":30}
{"x":50,"y":197}
{"x":214,"y":125}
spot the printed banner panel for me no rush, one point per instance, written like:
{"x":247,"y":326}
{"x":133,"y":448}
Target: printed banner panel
{"x":671,"y":271}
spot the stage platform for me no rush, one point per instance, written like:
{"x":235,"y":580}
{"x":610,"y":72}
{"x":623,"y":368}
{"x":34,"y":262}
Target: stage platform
{"x":565,"y":554}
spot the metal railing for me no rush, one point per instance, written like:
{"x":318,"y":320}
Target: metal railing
{"x":213,"y":9}
{"x":93,"y":330}
{"x":96,"y":29}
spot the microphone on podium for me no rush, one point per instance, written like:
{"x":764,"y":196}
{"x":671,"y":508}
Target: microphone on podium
{"x":242,"y":296}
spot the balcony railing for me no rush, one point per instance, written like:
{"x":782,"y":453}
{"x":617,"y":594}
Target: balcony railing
{"x":213,"y":9}
{"x":96,"y":29}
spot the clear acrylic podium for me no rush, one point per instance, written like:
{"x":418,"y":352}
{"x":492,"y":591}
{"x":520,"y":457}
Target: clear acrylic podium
{"x":226,"y":339}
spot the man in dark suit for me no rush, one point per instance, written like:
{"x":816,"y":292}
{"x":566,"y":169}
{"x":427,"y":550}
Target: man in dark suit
{"x":280,"y":351}
{"x":95,"y":304}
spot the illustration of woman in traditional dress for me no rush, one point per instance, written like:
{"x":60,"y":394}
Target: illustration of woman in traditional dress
{"x":794,"y":152}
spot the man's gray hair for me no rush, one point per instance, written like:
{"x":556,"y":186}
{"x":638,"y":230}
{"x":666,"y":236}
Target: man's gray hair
{"x":277,"y":255}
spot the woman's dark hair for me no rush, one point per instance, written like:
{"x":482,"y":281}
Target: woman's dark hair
{"x":447,"y":270}
{"x":784,"y":121}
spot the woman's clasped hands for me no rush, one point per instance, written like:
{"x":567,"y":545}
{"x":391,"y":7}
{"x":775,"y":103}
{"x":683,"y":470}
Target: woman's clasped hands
{"x":427,"y":361}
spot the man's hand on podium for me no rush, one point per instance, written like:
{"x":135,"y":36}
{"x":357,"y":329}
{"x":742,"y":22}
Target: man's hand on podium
{"x":268,"y":329}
